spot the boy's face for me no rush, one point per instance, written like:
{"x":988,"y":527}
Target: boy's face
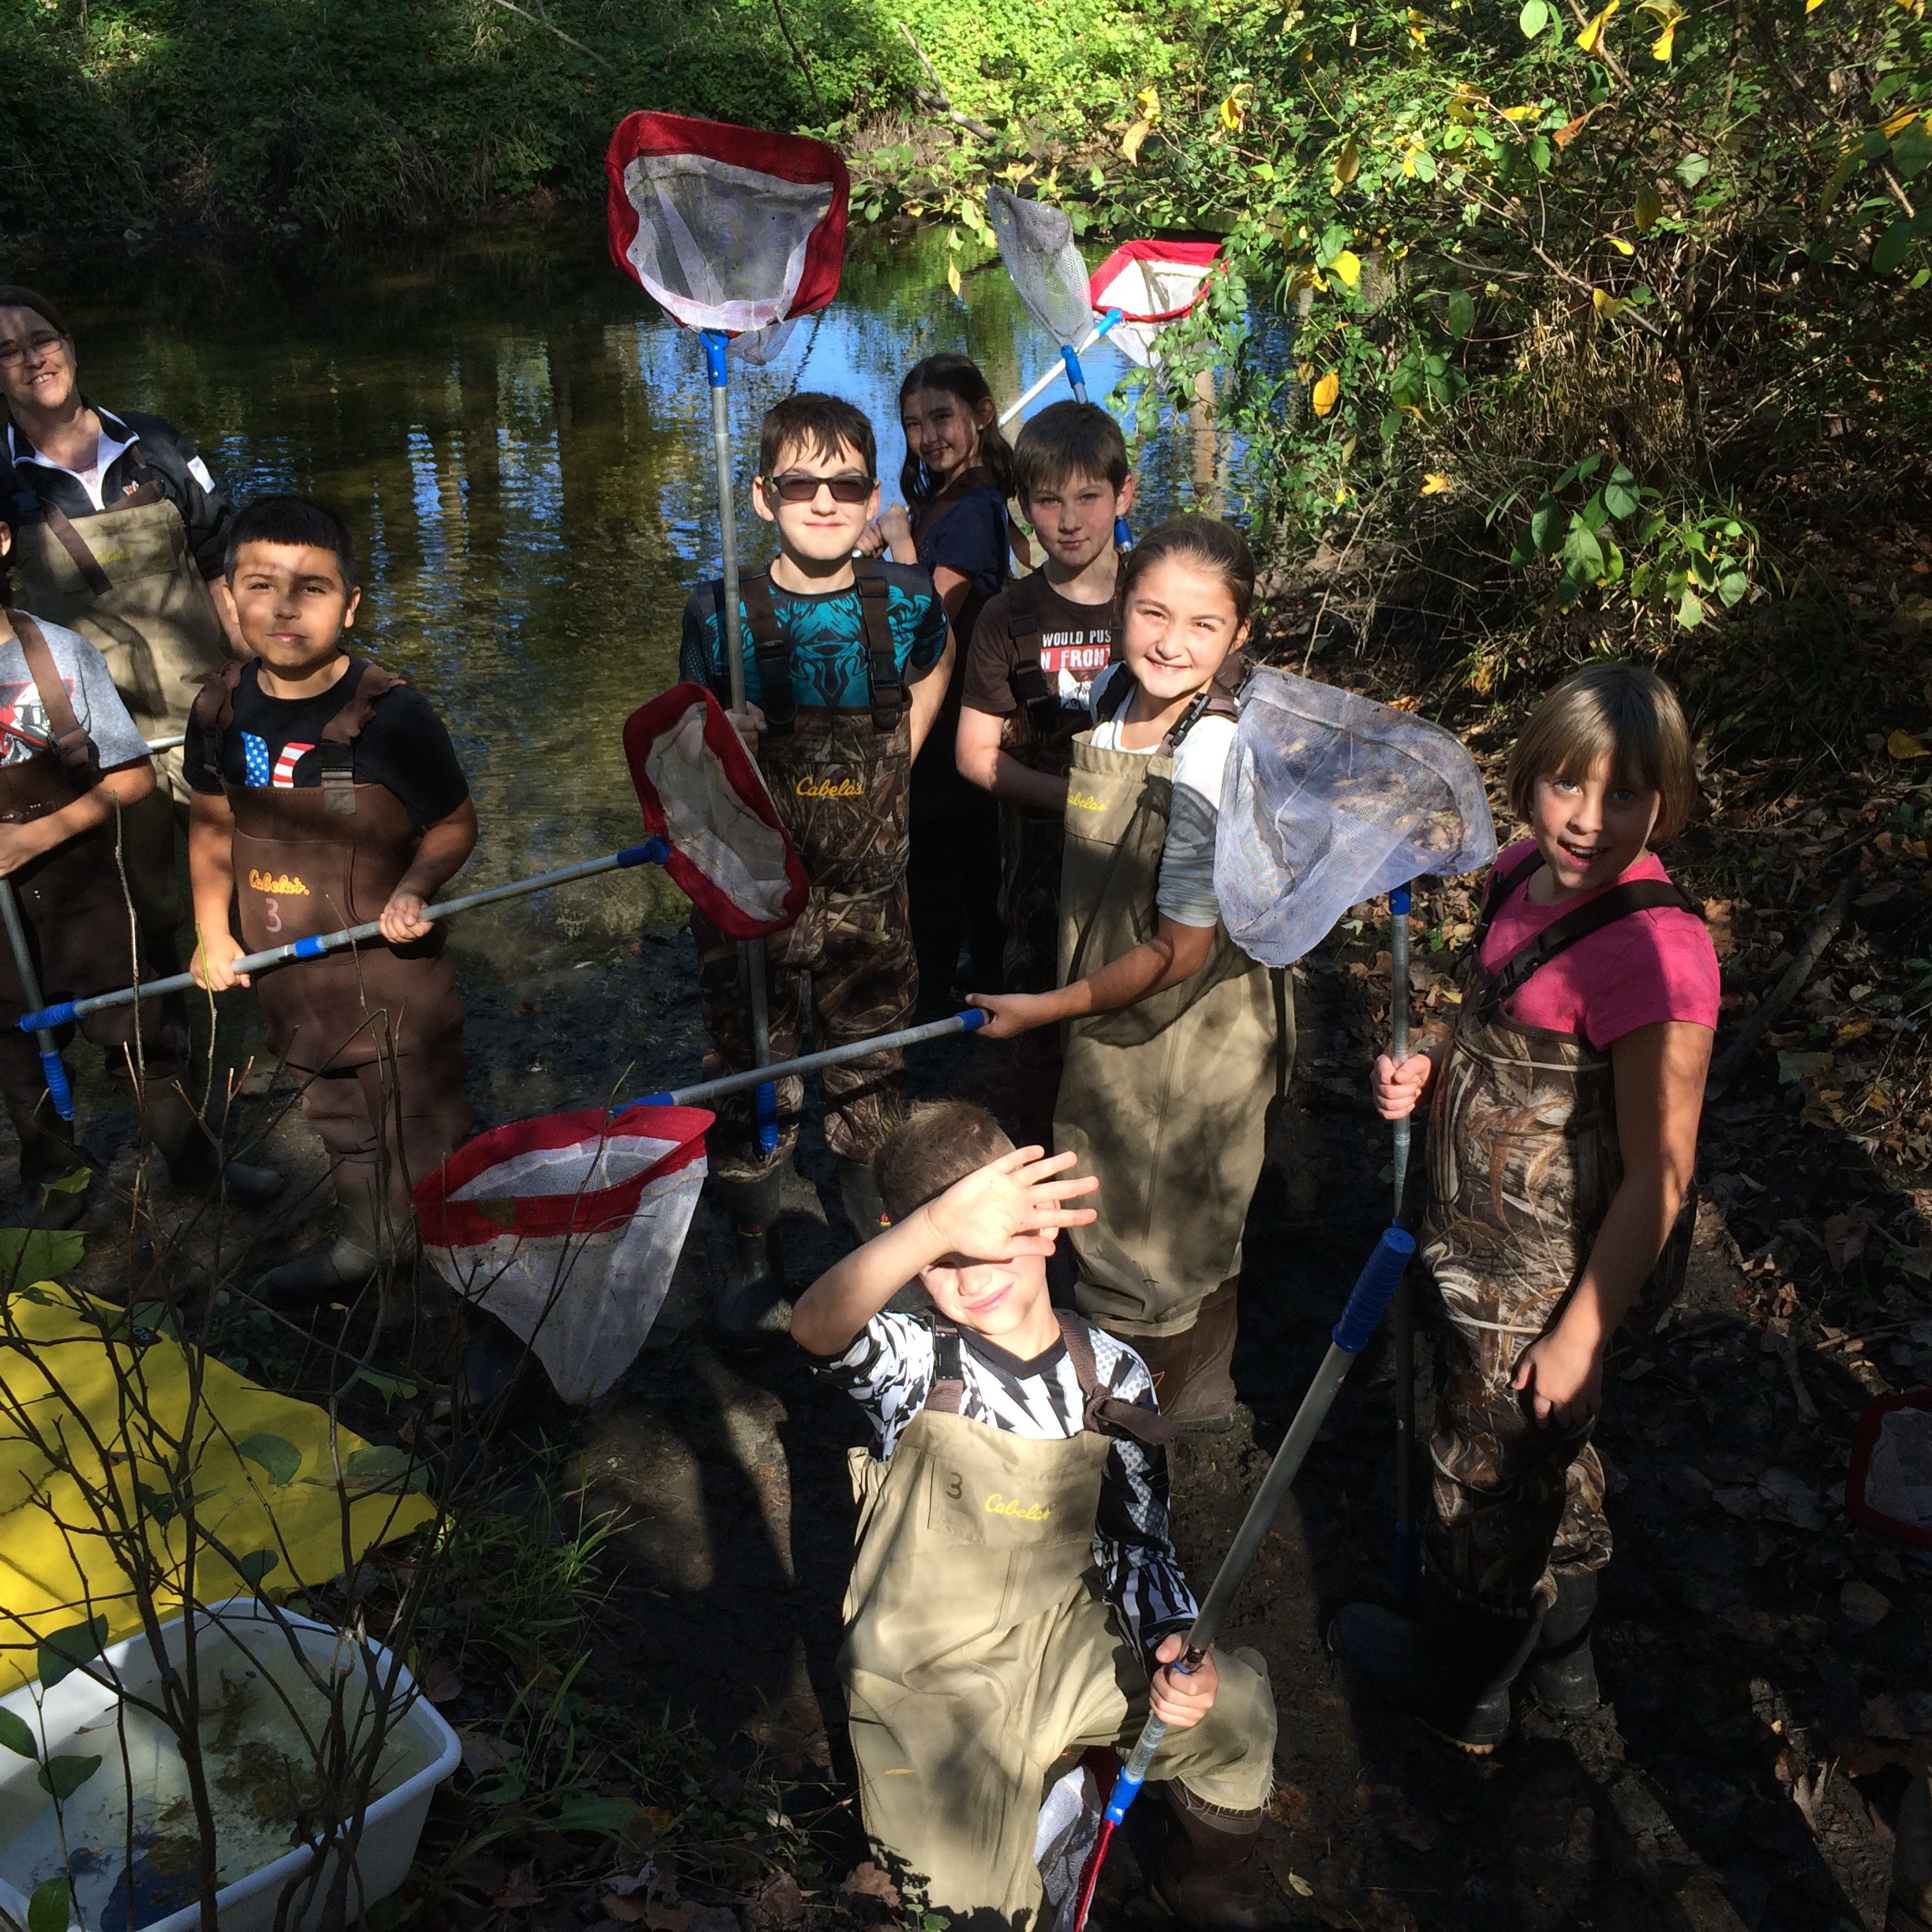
{"x":291,"y":604}
{"x":1073,"y":517}
{"x":996,"y":1299}
{"x":821,"y":527}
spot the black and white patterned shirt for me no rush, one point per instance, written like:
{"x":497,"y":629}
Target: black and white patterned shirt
{"x":888,"y":1371}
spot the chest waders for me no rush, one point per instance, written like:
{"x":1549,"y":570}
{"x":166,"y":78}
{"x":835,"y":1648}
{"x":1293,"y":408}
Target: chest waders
{"x":979,"y":1651}
{"x":1166,"y":1100}
{"x":126,"y":580}
{"x":1523,"y":1163}
{"x":840,"y":781}
{"x":376,"y":1028}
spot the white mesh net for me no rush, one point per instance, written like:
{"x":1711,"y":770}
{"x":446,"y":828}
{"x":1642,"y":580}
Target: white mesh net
{"x":1328,"y":799}
{"x":1036,"y":243}
{"x":722,"y":247}
{"x":1141,"y":287}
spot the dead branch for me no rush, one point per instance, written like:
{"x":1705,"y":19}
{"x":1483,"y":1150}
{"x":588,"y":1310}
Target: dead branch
{"x":537,"y":20}
{"x":978,"y":129}
{"x":1824,"y":929}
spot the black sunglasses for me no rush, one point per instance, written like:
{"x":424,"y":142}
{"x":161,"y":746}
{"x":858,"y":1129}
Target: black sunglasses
{"x":803,"y":489}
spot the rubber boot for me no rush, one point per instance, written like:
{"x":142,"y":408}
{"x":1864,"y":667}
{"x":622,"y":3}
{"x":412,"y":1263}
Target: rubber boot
{"x":53,"y":1173}
{"x":865,"y":1206}
{"x":1452,"y":1671}
{"x":496,"y":1367}
{"x":194,"y":1157}
{"x":1192,"y":1381}
{"x":342,"y":1269}
{"x":1562,"y":1674}
{"x":1209,"y":1876}
{"x":753,"y":1309}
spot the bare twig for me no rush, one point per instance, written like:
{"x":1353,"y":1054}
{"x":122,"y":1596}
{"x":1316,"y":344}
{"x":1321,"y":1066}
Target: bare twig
{"x":797,"y":53}
{"x":978,"y":129}
{"x":1824,"y":929}
{"x":537,"y":20}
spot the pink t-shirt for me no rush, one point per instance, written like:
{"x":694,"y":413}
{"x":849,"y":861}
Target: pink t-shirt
{"x":1648,"y":966}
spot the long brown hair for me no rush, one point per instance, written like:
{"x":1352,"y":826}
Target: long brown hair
{"x":1217,"y":549}
{"x":958,"y":376}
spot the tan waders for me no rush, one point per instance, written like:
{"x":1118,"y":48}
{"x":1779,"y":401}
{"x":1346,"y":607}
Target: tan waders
{"x":1166,"y":1100}
{"x":979,"y":1652}
{"x":126,"y":580}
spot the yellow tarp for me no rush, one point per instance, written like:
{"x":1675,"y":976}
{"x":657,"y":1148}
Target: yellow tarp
{"x":82,"y":1392}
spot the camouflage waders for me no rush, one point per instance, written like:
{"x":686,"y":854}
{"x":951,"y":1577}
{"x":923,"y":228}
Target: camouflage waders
{"x":1523,"y":1162}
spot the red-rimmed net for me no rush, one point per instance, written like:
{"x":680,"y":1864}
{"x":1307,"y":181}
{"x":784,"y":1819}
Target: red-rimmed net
{"x":1153,"y":284}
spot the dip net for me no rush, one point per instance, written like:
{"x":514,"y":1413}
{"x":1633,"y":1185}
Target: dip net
{"x":1330,"y":798}
{"x":568,"y":1229}
{"x":729,"y":228}
{"x":1153,"y":284}
{"x":1036,"y":243}
{"x":701,"y":793}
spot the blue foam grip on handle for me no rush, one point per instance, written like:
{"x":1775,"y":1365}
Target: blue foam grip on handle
{"x":49,"y":1017}
{"x":653,"y":852}
{"x":1123,"y":535}
{"x":1125,"y":1791}
{"x":972,"y":1018}
{"x":1399,"y":902}
{"x":60,"y":1094}
{"x":1107,"y":321}
{"x":766,"y":1103}
{"x":715,"y":371}
{"x":1373,"y":1288}
{"x":1076,"y":377}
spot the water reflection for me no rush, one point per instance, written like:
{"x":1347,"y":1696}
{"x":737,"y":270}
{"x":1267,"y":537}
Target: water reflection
{"x":520,"y":441}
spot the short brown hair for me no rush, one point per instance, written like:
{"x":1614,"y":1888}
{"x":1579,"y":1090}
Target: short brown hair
{"x":17,"y":295}
{"x":1069,"y":439}
{"x":822,"y":424}
{"x":938,"y":1143}
{"x":1619,"y":708}
{"x":1210,"y":545}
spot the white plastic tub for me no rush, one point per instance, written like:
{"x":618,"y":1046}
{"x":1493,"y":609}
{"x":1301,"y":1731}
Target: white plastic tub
{"x":254,"y":1754}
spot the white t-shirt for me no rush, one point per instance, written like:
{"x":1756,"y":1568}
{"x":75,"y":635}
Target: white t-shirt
{"x":1185,"y":893}
{"x":97,"y":709}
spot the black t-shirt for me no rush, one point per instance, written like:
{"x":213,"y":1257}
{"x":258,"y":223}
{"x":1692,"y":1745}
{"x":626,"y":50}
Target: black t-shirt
{"x":272,"y":743}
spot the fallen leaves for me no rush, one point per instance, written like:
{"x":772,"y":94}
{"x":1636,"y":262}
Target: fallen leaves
{"x":1863,"y":1605}
{"x":1903,"y":747}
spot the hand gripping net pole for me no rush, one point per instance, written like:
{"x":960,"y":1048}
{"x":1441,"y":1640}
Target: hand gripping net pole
{"x":568,"y":1229}
{"x":1151,"y":285}
{"x":1329,"y":800}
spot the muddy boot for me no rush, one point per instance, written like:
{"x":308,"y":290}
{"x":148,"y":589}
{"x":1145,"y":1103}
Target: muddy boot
{"x":1191,"y":1370}
{"x":54,"y":1174}
{"x":1209,"y":1875}
{"x":753,"y":1309}
{"x":865,"y":1206}
{"x":1563,"y":1673}
{"x":335,"y":1273}
{"x":1452,"y":1671}
{"x":193,"y":1157}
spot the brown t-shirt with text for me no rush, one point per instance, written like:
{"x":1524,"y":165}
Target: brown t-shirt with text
{"x":1076,"y":643}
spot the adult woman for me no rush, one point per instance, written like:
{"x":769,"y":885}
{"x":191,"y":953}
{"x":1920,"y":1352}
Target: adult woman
{"x":118,"y":534}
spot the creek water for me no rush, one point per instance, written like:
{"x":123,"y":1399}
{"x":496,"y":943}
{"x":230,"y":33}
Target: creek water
{"x":520,"y":439}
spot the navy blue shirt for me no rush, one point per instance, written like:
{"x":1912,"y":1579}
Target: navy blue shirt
{"x":970,"y":537}
{"x":827,"y":632}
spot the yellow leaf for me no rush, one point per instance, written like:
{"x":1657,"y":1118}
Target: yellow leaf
{"x":1650,"y":208}
{"x":1621,"y":246}
{"x":1409,"y":162}
{"x":1903,"y":745}
{"x":1588,"y":39}
{"x":952,"y":277}
{"x":1811,"y":6}
{"x":1326,"y":391}
{"x":1520,"y":113}
{"x":1148,"y":100}
{"x":1346,"y":268}
{"x":1231,"y":113}
{"x":1661,"y":46}
{"x":1348,"y":163}
{"x":1131,"y":141}
{"x":1901,"y":120}
{"x":1435,"y":484}
{"x":1606,"y":304}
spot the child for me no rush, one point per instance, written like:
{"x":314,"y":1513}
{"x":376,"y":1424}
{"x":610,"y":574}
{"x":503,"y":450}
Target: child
{"x":846,"y":667}
{"x":71,"y":763}
{"x":1177,"y":1039}
{"x":327,"y":793}
{"x":957,"y":475}
{"x":1014,"y":1596}
{"x":1037,"y":647}
{"x":1561,"y":1149}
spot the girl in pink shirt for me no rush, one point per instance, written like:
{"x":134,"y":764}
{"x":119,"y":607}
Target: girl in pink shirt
{"x":1562,"y":1152}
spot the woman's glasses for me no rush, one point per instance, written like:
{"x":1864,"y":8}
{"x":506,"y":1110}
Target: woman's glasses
{"x":35,"y":346}
{"x":804,"y":489}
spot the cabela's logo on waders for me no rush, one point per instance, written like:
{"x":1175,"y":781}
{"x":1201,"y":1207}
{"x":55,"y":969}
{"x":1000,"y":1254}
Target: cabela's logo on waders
{"x":997,"y":1505}
{"x":285,"y":885}
{"x":852,"y":787}
{"x":1085,"y":801}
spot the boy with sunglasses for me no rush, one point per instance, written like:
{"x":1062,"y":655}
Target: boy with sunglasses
{"x":840,"y":654}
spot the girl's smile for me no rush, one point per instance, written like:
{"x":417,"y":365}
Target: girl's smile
{"x":943,"y":431}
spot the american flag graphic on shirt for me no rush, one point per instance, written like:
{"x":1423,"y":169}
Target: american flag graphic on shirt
{"x":281,"y":773}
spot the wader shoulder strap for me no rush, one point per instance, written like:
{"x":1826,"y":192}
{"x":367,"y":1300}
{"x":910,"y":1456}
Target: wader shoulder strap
{"x":1102,"y":1410}
{"x":1620,"y":902}
{"x":336,"y":752}
{"x":1496,"y":894}
{"x":1026,"y":680}
{"x":770,"y":648}
{"x":210,"y":715}
{"x":75,"y":748}
{"x":1111,"y":701}
{"x":883,"y":683}
{"x":75,"y":545}
{"x":948,"y":1383}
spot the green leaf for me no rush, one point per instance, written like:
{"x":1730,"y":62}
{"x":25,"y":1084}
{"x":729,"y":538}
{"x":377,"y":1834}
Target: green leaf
{"x":1690,"y":611}
{"x":73,"y":1182}
{"x":51,"y":1909}
{"x":1613,"y":560}
{"x":1733,"y":587}
{"x":588,"y":1811}
{"x":1425,"y":165}
{"x":1692,"y":169}
{"x":15,"y":1735}
{"x":383,"y":1463}
{"x":1540,"y":154}
{"x":1590,"y":465}
{"x":1461,"y":313}
{"x":67,"y":1649}
{"x":1892,"y":247}
{"x":1911,"y":148}
{"x":1582,"y":555}
{"x":1546,"y":525}
{"x":39,"y":1254}
{"x":61,"y":1778}
{"x":1650,"y":208}
{"x":256,"y":1565}
{"x":156,"y":1504}
{"x":1533,"y":18}
{"x":279,"y":1457}
{"x":1619,"y":494}
{"x":388,"y":1387}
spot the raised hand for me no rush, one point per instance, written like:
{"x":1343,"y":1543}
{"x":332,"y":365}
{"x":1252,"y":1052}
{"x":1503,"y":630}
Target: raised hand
{"x":1005,"y":1208}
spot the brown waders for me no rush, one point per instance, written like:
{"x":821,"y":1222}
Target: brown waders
{"x":1523,"y":1162}
{"x":1166,"y":1100}
{"x":126,"y":580}
{"x":375,"y":1029}
{"x":79,"y":932}
{"x":839,"y":781}
{"x":979,"y":1652}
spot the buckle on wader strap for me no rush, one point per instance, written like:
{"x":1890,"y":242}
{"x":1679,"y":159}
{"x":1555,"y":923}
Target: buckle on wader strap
{"x":1026,"y":680}
{"x":948,"y":1383}
{"x":771,"y":651}
{"x":337,"y":762}
{"x":883,"y":683}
